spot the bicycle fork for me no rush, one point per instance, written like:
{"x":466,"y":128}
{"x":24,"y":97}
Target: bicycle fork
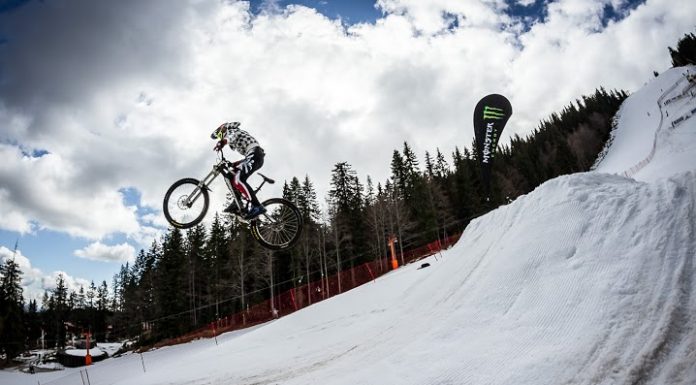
{"x":212,"y":175}
{"x":203,"y":184}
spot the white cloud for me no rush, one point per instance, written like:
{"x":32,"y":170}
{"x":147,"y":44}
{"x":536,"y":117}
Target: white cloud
{"x":50,"y":281}
{"x":313,"y":91}
{"x":525,"y":3}
{"x":271,"y":6}
{"x":100,"y":252}
{"x":46,"y":189}
{"x":433,"y":16}
{"x":34,"y":281}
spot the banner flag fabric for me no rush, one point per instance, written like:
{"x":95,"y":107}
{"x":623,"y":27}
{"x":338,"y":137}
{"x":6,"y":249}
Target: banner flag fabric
{"x":490,"y":116}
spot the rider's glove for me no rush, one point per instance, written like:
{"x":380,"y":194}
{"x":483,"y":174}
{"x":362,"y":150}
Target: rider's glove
{"x":220,"y":144}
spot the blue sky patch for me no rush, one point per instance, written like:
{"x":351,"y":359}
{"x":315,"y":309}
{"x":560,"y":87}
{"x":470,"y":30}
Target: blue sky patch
{"x":36,"y":153}
{"x":351,"y":12}
{"x":131,"y":196}
{"x":364,"y":11}
{"x":52,"y":251}
{"x":612,"y":14}
{"x":9,"y":5}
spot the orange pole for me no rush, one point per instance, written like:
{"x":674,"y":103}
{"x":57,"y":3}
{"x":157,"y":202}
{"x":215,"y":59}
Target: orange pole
{"x":88,"y":357}
{"x":395,"y":263}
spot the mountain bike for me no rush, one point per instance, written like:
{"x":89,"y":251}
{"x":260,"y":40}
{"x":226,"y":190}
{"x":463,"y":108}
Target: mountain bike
{"x":187,"y":200}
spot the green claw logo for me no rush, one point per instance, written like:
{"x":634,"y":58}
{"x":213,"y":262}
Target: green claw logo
{"x":493,"y":113}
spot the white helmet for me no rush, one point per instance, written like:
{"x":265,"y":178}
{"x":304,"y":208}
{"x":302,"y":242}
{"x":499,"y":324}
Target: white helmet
{"x":221,"y":131}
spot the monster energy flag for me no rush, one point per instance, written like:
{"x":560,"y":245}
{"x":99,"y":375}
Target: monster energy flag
{"x":490,"y":116}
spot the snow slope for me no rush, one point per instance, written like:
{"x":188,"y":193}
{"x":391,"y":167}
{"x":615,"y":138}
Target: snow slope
{"x":646,"y":145}
{"x":589,"y":279}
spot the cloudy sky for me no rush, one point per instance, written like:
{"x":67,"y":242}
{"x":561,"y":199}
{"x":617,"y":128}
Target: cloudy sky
{"x":103,"y":104}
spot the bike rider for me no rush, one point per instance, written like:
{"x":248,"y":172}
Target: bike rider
{"x":240,"y":141}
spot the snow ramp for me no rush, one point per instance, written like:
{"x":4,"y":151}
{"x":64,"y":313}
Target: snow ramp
{"x":586,"y":280}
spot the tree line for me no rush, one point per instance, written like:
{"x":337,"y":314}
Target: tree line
{"x":685,"y":53}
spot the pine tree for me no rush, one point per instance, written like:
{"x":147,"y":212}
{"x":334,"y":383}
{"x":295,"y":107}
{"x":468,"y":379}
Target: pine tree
{"x":398,"y":223}
{"x":345,"y":198}
{"x":309,"y":204}
{"x":374,"y":210}
{"x":464,"y":186}
{"x":295,"y":258}
{"x":243,"y":268}
{"x":197,"y":270}
{"x":91,"y":295}
{"x":12,"y":329}
{"x":218,"y":255}
{"x":33,"y":324}
{"x":413,"y":191}
{"x":133,"y":296}
{"x":685,"y":53}
{"x":309,"y":246}
{"x":171,"y":286}
{"x":429,"y":167}
{"x":72,"y":301}
{"x":148,"y":281}
{"x":101,"y":312}
{"x":120,"y":283}
{"x":81,"y":299}
{"x":442,"y":169}
{"x":59,"y":301}
{"x":398,"y":174}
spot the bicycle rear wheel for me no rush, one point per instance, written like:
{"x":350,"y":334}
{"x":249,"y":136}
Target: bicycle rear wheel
{"x":280,"y":227}
{"x":178,"y":208}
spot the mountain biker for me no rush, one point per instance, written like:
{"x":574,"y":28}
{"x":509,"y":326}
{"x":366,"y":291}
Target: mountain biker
{"x":240,"y":141}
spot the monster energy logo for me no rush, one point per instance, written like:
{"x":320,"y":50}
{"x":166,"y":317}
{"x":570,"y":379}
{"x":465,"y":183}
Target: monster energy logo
{"x":493,"y":113}
{"x":488,"y":143}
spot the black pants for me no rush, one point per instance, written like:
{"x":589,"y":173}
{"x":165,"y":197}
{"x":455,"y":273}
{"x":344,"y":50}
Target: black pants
{"x":252,"y":162}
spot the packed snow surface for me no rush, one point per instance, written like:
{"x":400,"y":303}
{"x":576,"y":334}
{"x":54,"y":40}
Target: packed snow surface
{"x":589,"y":279}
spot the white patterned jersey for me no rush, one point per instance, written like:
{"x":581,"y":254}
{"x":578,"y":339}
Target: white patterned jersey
{"x":241,"y":141}
{"x":238,"y":139}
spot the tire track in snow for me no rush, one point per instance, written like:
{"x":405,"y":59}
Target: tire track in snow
{"x":671,"y":327}
{"x":603,"y":360}
{"x":641,"y":334}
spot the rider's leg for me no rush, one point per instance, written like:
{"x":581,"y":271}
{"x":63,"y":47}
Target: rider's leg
{"x":251,"y":163}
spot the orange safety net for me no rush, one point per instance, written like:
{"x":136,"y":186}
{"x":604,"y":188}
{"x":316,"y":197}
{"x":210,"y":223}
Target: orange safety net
{"x":302,"y":296}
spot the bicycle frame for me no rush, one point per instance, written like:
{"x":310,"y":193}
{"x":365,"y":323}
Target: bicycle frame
{"x":227,"y":169}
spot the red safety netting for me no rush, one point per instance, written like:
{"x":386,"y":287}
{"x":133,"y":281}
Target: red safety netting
{"x":302,"y":296}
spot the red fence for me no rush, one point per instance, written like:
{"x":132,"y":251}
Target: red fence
{"x":305,"y":295}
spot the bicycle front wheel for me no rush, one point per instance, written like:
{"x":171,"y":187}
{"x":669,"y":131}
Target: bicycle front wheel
{"x":185,"y":203}
{"x":280,"y":227}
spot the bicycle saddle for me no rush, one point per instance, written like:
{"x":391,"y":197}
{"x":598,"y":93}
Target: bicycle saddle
{"x":267,"y":179}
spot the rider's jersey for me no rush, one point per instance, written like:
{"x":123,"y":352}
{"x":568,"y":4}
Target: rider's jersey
{"x":241,"y":141}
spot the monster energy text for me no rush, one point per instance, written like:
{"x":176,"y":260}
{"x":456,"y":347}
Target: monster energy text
{"x":488,"y":142}
{"x":493,"y":113}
